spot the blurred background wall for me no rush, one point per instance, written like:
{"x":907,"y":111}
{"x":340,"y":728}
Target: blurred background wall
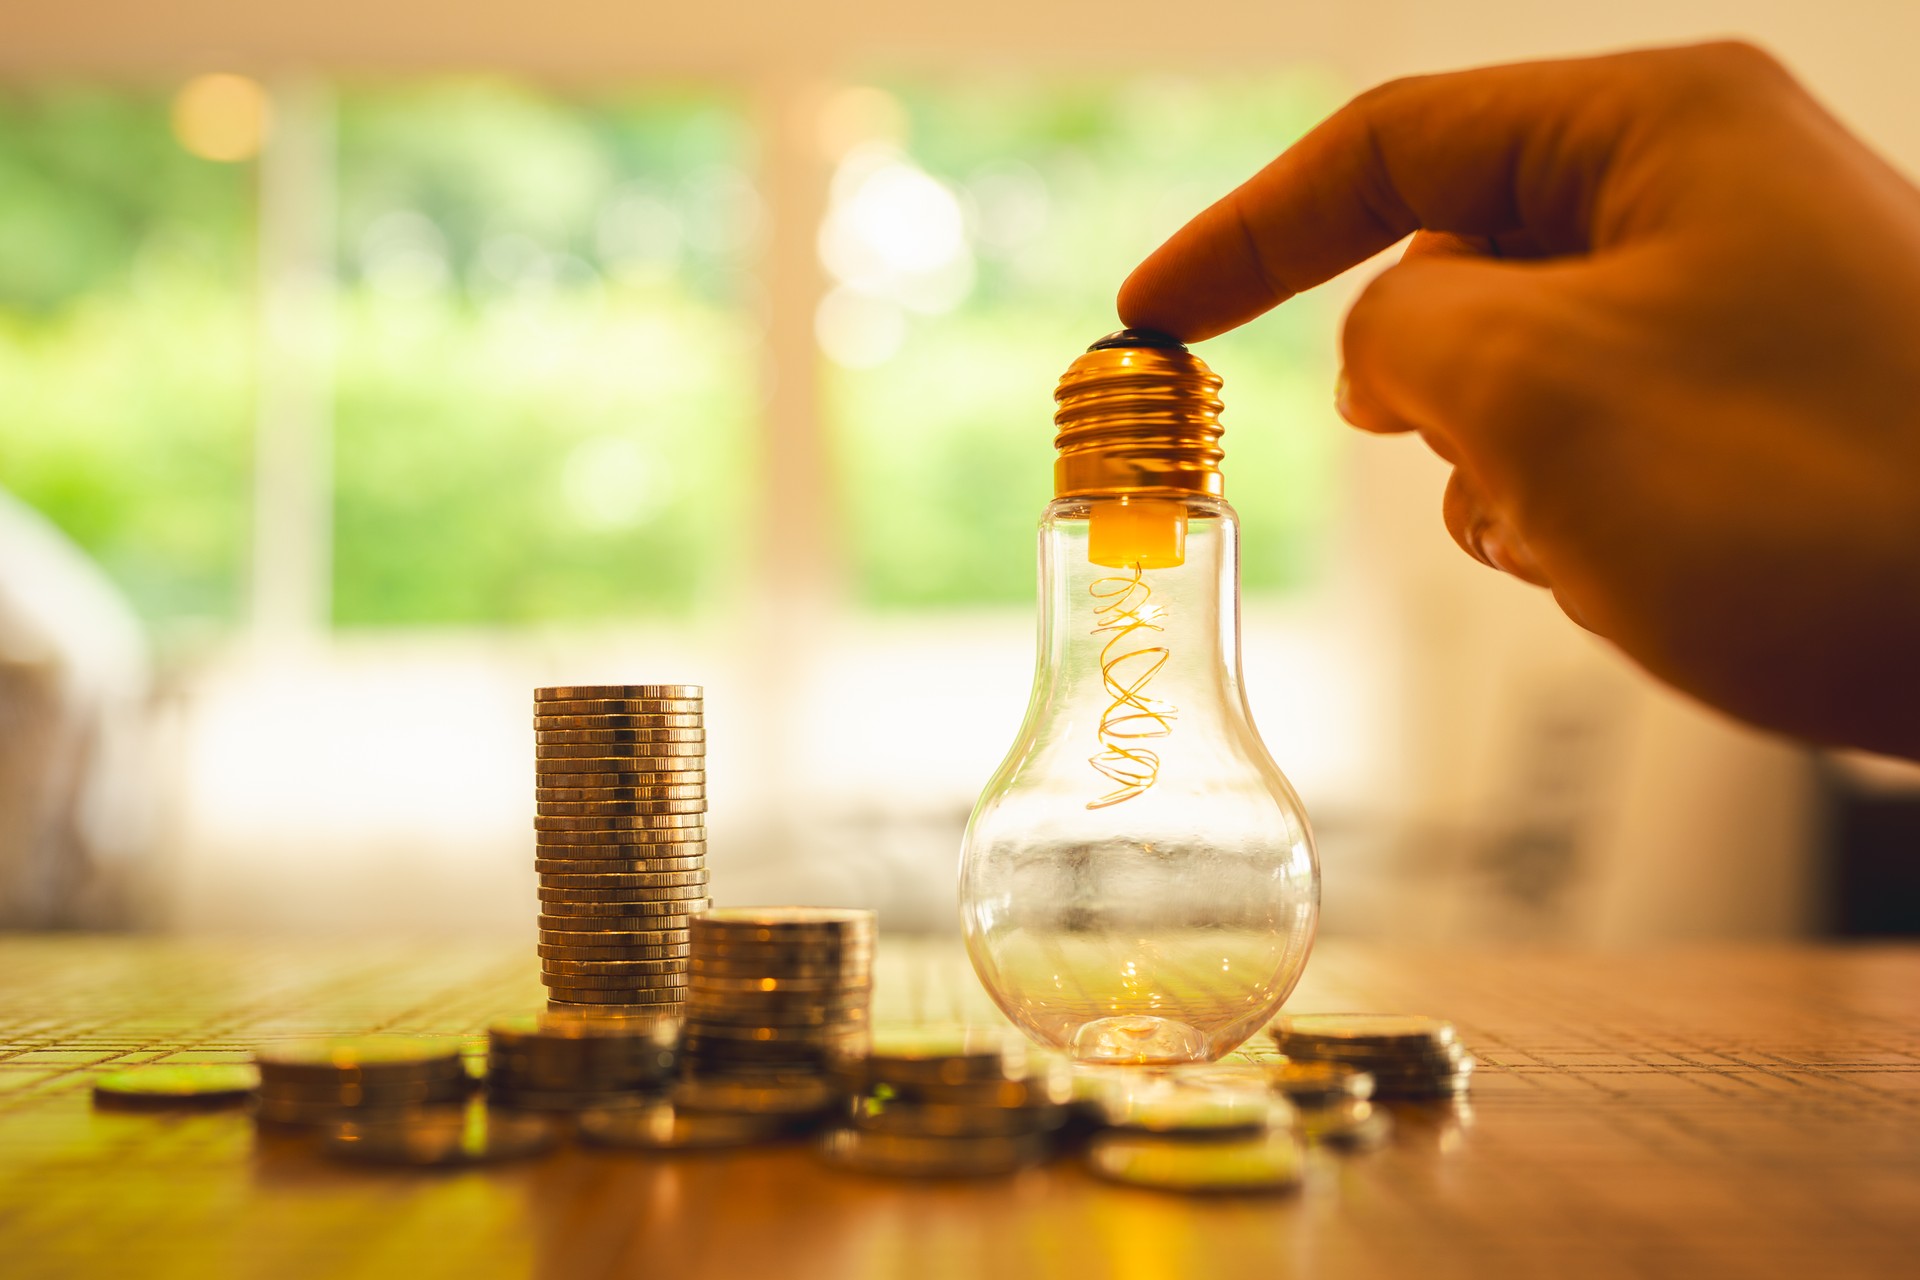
{"x":388,"y":359}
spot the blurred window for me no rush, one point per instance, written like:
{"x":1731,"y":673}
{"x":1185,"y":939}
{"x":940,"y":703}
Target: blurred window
{"x":126,"y":330}
{"x":543,"y":319}
{"x":975,"y":236}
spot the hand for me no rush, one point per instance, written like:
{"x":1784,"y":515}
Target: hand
{"x":1661,"y":313}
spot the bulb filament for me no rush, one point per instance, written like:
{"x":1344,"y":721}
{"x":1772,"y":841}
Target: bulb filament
{"x":1126,"y":611}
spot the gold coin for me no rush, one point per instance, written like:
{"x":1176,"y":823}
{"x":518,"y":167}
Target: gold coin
{"x":1164,"y":1107}
{"x":794,"y":1017}
{"x":630,"y":757}
{"x":552,"y":863}
{"x":551,"y":722}
{"x":453,"y":1136}
{"x":610,"y":1009}
{"x":622,"y":836}
{"x":564,"y":777}
{"x":177,"y":1085}
{"x":1350,"y":1122}
{"x":797,"y":1096}
{"x":588,"y":936}
{"x":612,"y":924}
{"x":667,"y":907}
{"x":647,"y":737}
{"x":595,"y":986}
{"x":880,"y":1112}
{"x":648,"y":880}
{"x":614,"y":795}
{"x":779,"y":984}
{"x":665,"y":1127}
{"x":663,"y":999}
{"x":364,"y":1057}
{"x":571,"y":692}
{"x":1269,"y":1163}
{"x":612,"y":968}
{"x":938,"y":1055}
{"x":616,"y":822}
{"x":902,"y":1155}
{"x":619,"y":808}
{"x":750,"y":975}
{"x":708,"y":1030}
{"x":610,"y":955}
{"x":658,"y":893}
{"x":792,"y":918}
{"x":1381,"y":1031}
{"x":621,"y":707}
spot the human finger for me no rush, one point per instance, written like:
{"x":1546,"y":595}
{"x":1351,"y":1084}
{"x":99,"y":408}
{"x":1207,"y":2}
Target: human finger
{"x":1530,"y":148}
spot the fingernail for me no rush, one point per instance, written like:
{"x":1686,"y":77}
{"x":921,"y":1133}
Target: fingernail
{"x":1343,"y":397}
{"x":1505,"y":552}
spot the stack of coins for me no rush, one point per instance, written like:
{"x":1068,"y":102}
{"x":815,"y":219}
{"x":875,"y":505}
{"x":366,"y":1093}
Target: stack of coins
{"x":1409,"y":1057}
{"x":620,"y":825}
{"x":948,"y":1103}
{"x":311,"y":1082}
{"x":777,"y":990}
{"x":568,"y":1062}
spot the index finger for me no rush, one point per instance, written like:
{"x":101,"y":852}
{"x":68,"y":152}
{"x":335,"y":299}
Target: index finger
{"x":1524,"y":148}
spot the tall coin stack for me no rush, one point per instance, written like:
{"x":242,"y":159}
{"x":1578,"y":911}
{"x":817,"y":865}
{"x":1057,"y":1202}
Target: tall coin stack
{"x":620,"y":831}
{"x":780,"y":991}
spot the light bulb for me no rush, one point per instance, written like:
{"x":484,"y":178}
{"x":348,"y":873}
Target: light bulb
{"x":1138,"y":881}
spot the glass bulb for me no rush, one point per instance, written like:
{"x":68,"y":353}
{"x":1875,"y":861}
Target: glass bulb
{"x":1138,"y":881}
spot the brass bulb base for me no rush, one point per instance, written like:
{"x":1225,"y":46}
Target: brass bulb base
{"x":1138,"y":417}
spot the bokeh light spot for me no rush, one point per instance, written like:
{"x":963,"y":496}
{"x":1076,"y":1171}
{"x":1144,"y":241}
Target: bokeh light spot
{"x":222,"y":117}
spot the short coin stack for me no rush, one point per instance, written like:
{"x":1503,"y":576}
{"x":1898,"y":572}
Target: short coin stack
{"x":942,"y":1104}
{"x":312,"y":1082}
{"x":620,"y":828}
{"x":779,"y":991}
{"x":570,"y":1062}
{"x":1409,"y":1057}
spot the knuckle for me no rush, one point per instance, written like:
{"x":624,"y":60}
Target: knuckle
{"x":1719,"y":78}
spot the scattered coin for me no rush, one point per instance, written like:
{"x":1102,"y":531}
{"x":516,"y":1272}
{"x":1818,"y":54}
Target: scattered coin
{"x":179,"y":1085}
{"x":1408,"y":1056}
{"x":784,"y":1096}
{"x":441,"y":1136}
{"x":1164,"y":1106}
{"x":1268,"y":1163}
{"x":903,"y":1155}
{"x":667,"y":1127}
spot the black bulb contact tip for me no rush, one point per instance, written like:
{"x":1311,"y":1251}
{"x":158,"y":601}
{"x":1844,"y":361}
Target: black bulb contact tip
{"x":1139,"y":340}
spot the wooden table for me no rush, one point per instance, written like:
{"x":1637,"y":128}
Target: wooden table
{"x":1750,"y":1112}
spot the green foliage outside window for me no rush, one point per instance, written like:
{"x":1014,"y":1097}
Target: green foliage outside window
{"x":126,"y":335}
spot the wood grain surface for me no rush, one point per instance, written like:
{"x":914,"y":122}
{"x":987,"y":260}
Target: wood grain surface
{"x":1701,"y":1113}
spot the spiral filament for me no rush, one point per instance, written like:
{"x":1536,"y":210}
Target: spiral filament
{"x":1126,"y":610}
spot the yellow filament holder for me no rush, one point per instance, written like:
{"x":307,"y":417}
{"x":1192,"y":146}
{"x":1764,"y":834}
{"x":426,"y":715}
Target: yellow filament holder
{"x":1139,"y":433}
